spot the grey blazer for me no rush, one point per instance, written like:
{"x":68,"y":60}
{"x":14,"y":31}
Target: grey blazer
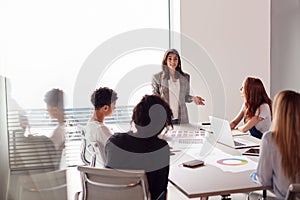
{"x":160,"y":86}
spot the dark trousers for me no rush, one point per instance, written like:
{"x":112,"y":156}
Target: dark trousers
{"x":255,"y":133}
{"x":175,"y":121}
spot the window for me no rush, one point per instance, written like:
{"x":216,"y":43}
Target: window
{"x":78,"y":46}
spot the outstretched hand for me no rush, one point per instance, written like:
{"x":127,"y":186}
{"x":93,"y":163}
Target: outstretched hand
{"x":198,"y":100}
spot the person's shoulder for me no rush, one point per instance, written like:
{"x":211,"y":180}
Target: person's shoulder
{"x":95,"y":127}
{"x":91,"y":125}
{"x":268,"y":141}
{"x":119,"y":136}
{"x":119,"y":139}
{"x":162,"y":141}
{"x":267,"y":136}
{"x":265,"y":106}
{"x":185,"y":76}
{"x":102,"y":125}
{"x":92,"y":122}
{"x":105,"y":129}
{"x":158,"y":75}
{"x":165,"y":144}
{"x":159,"y":143}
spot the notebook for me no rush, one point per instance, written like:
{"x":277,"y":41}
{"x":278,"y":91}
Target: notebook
{"x":222,"y":132}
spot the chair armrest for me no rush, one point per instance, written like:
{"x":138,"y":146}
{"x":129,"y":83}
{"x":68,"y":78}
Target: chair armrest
{"x":76,"y":197}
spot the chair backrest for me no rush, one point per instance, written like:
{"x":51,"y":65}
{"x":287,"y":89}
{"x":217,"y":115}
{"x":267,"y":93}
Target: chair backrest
{"x":33,"y":153}
{"x":87,"y":150}
{"x":293,"y":192}
{"x":44,"y":186}
{"x":112,"y":184}
{"x":90,"y":150}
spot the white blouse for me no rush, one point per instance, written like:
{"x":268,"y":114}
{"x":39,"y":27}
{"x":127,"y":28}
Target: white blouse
{"x":174,"y":88}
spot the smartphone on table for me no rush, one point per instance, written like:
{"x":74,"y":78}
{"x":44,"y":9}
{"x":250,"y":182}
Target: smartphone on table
{"x":193,"y":163}
{"x":252,"y":152}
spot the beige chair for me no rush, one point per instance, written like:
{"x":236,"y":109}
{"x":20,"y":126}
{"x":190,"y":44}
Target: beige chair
{"x":44,"y":186}
{"x":112,"y":184}
{"x":87,"y":151}
{"x":293,"y":192}
{"x":91,"y":153}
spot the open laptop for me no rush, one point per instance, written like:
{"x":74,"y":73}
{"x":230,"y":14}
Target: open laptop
{"x":223,"y":134}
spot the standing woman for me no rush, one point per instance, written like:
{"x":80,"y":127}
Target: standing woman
{"x":256,"y":109}
{"x":173,"y":85}
{"x":279,"y":160}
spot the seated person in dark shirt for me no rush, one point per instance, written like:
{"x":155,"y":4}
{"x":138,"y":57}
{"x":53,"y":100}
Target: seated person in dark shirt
{"x":142,"y":149}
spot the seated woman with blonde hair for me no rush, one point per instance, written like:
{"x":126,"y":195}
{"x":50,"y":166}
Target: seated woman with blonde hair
{"x":279,"y":160}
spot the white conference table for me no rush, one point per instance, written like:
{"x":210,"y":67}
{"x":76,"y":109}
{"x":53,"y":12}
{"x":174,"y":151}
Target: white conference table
{"x":209,"y":180}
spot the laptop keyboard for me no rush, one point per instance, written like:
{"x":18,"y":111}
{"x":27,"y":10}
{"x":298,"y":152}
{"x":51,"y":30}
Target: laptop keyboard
{"x":238,"y":143}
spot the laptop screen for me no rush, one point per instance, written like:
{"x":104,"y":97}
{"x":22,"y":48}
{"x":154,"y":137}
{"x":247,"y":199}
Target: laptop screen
{"x":223,"y":134}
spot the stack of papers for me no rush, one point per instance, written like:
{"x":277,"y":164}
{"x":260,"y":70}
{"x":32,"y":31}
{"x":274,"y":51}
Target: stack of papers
{"x":183,"y":139}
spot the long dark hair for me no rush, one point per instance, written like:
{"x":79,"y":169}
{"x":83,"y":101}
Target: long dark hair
{"x":255,"y":95}
{"x":165,"y":69}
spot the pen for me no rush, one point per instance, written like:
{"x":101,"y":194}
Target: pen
{"x":202,"y":129}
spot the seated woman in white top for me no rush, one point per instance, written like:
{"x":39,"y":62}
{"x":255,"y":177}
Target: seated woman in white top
{"x":97,"y":133}
{"x":256,"y":110}
{"x":279,"y":160}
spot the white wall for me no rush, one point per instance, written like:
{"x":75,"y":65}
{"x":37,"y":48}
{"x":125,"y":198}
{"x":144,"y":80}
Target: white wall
{"x":235,"y":35}
{"x":285,"y":45}
{"x":4,"y":168}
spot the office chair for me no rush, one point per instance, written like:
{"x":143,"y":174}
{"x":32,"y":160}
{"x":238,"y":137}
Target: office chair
{"x":90,"y":150}
{"x":293,"y":192}
{"x":112,"y":184}
{"x":43,"y":186}
{"x":87,"y":150}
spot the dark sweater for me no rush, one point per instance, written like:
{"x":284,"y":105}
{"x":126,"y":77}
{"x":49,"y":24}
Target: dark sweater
{"x":126,"y":151}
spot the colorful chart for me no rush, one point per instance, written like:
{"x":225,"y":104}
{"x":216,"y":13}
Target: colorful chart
{"x":232,"y":162}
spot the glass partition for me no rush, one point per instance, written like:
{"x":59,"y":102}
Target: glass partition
{"x":53,"y":45}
